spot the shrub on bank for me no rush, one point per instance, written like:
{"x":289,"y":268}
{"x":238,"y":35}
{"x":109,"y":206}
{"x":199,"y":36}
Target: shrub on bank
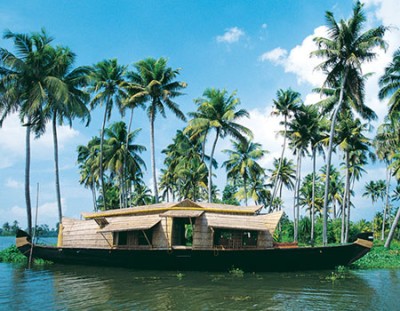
{"x":380,"y":257}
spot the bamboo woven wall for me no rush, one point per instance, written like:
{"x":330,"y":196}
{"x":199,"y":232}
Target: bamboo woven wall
{"x":83,"y":233}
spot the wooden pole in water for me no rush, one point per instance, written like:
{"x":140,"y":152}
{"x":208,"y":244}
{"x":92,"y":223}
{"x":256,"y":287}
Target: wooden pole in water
{"x":34,"y":230}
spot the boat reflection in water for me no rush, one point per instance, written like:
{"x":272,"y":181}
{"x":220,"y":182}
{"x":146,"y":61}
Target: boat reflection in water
{"x":69,"y":287}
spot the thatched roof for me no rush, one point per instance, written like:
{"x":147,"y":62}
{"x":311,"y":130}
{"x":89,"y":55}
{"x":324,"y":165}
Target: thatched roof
{"x":182,"y":213}
{"x":129,"y":223}
{"x":183,"y":205}
{"x":266,"y":222}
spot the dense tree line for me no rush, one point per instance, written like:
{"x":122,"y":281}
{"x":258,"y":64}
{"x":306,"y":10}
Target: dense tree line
{"x":41,"y":84}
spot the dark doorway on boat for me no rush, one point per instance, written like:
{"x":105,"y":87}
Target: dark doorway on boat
{"x":182,"y":231}
{"x":235,"y":238}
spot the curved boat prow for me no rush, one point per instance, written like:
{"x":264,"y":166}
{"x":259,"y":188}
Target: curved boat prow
{"x":22,"y":239}
{"x":365,"y":239}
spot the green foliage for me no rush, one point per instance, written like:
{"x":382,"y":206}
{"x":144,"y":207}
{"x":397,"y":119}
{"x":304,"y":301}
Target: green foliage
{"x":228,"y":195}
{"x":236,"y":272}
{"x":380,"y":257}
{"x":12,"y":255}
{"x":340,"y":273}
{"x":179,"y":276}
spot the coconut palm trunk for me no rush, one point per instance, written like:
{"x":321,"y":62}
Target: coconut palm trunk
{"x":345,"y":202}
{"x":124,"y":169}
{"x":210,"y":166}
{"x":385,"y":208}
{"x":101,"y":171}
{"x":313,"y":196}
{"x":56,"y":166}
{"x":27,"y":176}
{"x":295,"y":199}
{"x":328,"y":162}
{"x":392,"y":230}
{"x":153,"y":157}
{"x":280,"y":163}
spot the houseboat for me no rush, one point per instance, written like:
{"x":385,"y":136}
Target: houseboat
{"x":186,"y":236}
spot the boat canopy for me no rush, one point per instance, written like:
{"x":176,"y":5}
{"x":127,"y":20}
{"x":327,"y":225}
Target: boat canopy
{"x":130,"y":223}
{"x":266,"y":222}
{"x":182,"y":213}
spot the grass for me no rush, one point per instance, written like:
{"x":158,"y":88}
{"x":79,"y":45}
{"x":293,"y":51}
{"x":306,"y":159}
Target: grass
{"x":380,"y":258}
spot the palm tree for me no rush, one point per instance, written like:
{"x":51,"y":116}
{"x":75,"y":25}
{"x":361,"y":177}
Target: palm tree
{"x":72,"y":105}
{"x":345,"y":49}
{"x":351,"y":140}
{"x":109,"y":87}
{"x":217,"y":110}
{"x":186,"y":171}
{"x":386,"y":144}
{"x":88,"y":166}
{"x":286,"y":105}
{"x":243,"y":162}
{"x":390,"y":84}
{"x":26,"y":81}
{"x":300,"y":132}
{"x":285,"y":175}
{"x":116,"y":156}
{"x":376,"y":191}
{"x":155,"y":83}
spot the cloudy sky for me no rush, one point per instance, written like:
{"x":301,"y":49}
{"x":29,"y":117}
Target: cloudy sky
{"x":253,"y":47}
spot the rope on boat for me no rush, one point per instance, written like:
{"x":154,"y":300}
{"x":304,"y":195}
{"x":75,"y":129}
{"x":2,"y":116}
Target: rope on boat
{"x":34,"y":229}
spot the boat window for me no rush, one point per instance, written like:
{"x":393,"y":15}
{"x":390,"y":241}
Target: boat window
{"x":145,"y":236}
{"x":133,"y":238}
{"x":123,"y":238}
{"x":235,"y":238}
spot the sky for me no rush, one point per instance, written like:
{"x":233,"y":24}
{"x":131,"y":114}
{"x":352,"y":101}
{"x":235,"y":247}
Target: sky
{"x":252,"y":47}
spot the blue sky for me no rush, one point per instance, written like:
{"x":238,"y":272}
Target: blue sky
{"x":253,"y":47}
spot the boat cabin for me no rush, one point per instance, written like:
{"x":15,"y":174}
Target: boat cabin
{"x":183,"y":225}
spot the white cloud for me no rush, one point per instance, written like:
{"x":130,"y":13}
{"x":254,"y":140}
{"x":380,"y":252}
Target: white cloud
{"x":264,"y":26}
{"x":12,"y":141}
{"x":298,"y":60}
{"x":265,"y":128}
{"x":277,"y":56}
{"x":231,"y":35}
{"x":14,"y":184}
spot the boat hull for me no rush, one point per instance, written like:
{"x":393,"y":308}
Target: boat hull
{"x":250,"y":260}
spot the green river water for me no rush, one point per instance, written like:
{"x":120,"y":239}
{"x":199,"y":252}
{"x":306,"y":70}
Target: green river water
{"x":62,"y":287}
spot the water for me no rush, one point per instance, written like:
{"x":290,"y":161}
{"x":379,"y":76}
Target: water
{"x":59,"y":287}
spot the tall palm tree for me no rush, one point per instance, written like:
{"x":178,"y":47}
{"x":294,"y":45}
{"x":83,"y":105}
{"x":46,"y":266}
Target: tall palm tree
{"x":26,"y":81}
{"x":351,"y":140}
{"x":345,"y":49}
{"x":390,"y":84}
{"x":109,"y":86}
{"x":72,"y":105}
{"x":217,"y":110}
{"x":154,"y":82}
{"x":286,"y":105}
{"x":300,"y":131}
{"x":243,"y":162}
{"x":116,"y":156}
